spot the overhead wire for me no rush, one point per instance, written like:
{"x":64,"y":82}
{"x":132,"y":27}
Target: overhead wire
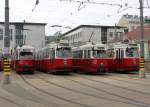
{"x":83,"y":3}
{"x":36,"y":3}
{"x":93,"y":2}
{"x":147,"y":4}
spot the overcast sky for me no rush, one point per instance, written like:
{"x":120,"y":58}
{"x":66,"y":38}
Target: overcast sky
{"x":65,"y":13}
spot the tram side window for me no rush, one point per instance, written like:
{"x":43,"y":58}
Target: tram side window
{"x":26,"y":53}
{"x":44,"y":54}
{"x":84,"y":53}
{"x":80,"y":53}
{"x":47,"y":53}
{"x":77,"y":54}
{"x":117,"y":54}
{"x":132,"y":52}
{"x":111,"y":53}
{"x":87,"y":53}
{"x":122,"y":53}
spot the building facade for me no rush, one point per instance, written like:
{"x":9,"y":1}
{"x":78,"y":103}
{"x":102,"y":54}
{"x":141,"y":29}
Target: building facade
{"x":131,"y":22}
{"x":93,"y":33}
{"x":24,"y":33}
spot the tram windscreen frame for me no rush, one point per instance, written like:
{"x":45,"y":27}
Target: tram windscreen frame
{"x":26,"y":55}
{"x":132,"y":52}
{"x":64,"y":52}
{"x":99,"y":54}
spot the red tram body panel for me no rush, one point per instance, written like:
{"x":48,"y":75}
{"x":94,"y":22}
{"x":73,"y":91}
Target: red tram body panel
{"x":25,"y":66}
{"x":23,"y":59}
{"x":90,"y":58}
{"x":125,"y":57}
{"x":55,"y":58}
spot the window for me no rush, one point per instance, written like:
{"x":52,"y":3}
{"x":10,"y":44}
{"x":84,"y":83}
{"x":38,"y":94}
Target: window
{"x":110,"y":53}
{"x":64,"y":52}
{"x":1,"y":34}
{"x":10,"y":33}
{"x":99,"y":54}
{"x":78,"y":54}
{"x":19,"y":34}
{"x":120,"y":34}
{"x":132,"y":52}
{"x":110,"y":34}
{"x":87,"y":53}
{"x":26,"y":55}
{"x":104,"y":35}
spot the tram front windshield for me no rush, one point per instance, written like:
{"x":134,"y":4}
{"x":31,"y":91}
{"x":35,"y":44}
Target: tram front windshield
{"x":63,"y":52}
{"x":99,"y":54}
{"x":132,"y":52}
{"x":26,"y":55}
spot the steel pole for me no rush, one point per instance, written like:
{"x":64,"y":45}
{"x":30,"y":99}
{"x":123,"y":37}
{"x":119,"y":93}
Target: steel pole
{"x":6,"y":45}
{"x":142,"y":66}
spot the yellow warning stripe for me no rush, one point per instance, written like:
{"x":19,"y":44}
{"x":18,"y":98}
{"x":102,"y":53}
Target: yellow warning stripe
{"x":142,"y":64}
{"x":7,"y":73}
{"x":6,"y":69}
{"x":5,"y":59}
{"x":142,"y":67}
{"x":7,"y":66}
{"x":6,"y":62}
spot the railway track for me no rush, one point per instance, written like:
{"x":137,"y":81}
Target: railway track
{"x":53,"y":95}
{"x":130,"y":101}
{"x":11,"y":101}
{"x":131,"y":78}
{"x":121,"y":87}
{"x":84,"y":93}
{"x":136,"y":81}
{"x":98,"y":89}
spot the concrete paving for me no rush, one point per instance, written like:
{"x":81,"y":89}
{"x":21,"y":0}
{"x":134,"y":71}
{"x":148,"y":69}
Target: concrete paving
{"x":75,"y":90}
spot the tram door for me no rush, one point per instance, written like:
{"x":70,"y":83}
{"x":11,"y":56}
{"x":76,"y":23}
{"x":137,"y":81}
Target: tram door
{"x":119,"y":60}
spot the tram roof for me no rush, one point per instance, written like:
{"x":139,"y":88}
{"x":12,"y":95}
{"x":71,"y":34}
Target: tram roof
{"x":55,"y":45}
{"x":100,"y":45}
{"x":122,"y":45}
{"x":27,"y":47}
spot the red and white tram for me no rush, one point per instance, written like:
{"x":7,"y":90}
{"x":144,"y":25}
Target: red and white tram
{"x":123,"y":57}
{"x":23,"y":59}
{"x":55,"y":58}
{"x":90,"y":58}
